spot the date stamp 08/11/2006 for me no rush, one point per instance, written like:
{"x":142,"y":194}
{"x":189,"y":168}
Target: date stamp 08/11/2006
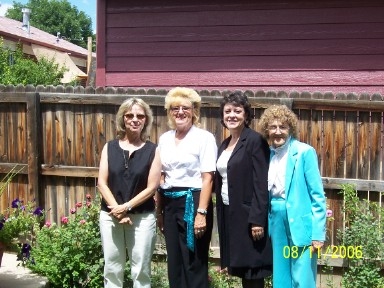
{"x":331,"y":251}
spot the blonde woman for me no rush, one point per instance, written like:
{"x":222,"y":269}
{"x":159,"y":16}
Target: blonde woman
{"x":188,"y":156}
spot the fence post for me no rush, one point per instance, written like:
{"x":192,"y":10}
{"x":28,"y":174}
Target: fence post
{"x":34,"y":138}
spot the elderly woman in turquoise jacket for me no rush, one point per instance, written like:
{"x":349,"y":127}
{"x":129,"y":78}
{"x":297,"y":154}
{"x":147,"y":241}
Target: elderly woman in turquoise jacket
{"x":298,"y":210}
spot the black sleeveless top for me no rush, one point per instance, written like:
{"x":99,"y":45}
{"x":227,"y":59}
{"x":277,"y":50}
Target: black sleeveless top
{"x":128,"y":174}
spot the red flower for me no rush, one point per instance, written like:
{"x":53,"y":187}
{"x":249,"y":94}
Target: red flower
{"x":64,"y":220}
{"x":79,"y":204}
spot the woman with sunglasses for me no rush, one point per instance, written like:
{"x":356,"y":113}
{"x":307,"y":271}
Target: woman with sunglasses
{"x":184,"y":205}
{"x":298,"y":211}
{"x":129,"y":174}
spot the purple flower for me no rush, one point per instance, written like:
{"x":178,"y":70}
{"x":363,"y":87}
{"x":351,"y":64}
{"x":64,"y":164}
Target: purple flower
{"x":1,"y":225}
{"x":38,"y":212}
{"x":25,"y":250}
{"x":16,"y":203}
{"x":329,"y":213}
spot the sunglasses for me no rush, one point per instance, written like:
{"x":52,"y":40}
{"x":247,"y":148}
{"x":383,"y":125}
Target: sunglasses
{"x":130,"y":116}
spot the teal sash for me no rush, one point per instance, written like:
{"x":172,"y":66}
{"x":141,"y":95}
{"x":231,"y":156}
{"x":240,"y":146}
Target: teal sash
{"x":188,"y":214}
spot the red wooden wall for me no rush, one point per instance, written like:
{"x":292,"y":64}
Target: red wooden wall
{"x":286,"y":45}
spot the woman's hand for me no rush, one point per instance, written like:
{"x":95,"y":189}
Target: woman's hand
{"x":257,"y":232}
{"x":118,"y":211}
{"x":160,"y":221}
{"x":126,"y":220}
{"x":200,"y":225}
{"x":316,"y":245}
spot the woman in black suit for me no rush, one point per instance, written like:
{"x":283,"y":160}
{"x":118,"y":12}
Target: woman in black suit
{"x":241,"y":187}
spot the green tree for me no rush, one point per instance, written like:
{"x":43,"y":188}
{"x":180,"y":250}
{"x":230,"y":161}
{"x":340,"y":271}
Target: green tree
{"x":55,"y":16}
{"x":16,"y":68}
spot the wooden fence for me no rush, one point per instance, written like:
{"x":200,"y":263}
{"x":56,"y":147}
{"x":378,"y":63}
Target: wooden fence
{"x":55,"y":136}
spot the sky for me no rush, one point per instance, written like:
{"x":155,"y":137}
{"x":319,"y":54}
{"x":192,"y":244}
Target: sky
{"x":88,"y":6}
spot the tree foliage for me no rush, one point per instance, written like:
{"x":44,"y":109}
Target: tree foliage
{"x":55,"y":16}
{"x":16,"y":68}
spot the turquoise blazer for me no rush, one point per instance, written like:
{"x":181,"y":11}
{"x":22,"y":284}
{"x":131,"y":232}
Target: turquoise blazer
{"x":305,"y":199}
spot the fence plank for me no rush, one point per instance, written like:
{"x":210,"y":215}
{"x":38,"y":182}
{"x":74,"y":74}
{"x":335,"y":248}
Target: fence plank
{"x":329,"y":142}
{"x":69,"y":136}
{"x":376,"y":146}
{"x":89,"y":120}
{"x":79,"y":135}
{"x":48,"y":136}
{"x":339,"y":144}
{"x":351,"y":145}
{"x":3,"y":132}
{"x":363,"y":145}
{"x":59,"y":136}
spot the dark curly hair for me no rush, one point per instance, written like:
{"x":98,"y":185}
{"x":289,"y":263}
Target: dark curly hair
{"x":237,"y":99}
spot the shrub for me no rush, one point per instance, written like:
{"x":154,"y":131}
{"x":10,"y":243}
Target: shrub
{"x":16,"y":68}
{"x":19,"y":223}
{"x":362,"y":230}
{"x":70,"y":255}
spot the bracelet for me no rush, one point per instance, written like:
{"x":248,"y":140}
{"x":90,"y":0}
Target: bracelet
{"x":202,"y":211}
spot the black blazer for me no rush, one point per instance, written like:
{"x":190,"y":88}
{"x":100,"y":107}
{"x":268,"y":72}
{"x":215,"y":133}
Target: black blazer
{"x":248,"y":200}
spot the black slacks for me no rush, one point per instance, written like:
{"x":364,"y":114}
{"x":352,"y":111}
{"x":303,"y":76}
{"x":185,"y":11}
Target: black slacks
{"x":186,"y":269}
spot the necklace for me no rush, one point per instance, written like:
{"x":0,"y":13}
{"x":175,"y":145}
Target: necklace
{"x":126,"y":162}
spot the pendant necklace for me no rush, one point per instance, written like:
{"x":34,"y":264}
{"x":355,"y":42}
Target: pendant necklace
{"x":125,"y":159}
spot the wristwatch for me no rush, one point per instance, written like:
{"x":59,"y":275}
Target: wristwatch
{"x":202,"y":211}
{"x":129,"y":208}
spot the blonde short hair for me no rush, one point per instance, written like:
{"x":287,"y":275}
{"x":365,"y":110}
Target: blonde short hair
{"x":127,"y":106}
{"x":178,"y":94}
{"x":280,"y":113}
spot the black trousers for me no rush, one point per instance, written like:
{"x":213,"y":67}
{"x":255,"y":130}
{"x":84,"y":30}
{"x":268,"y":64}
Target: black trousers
{"x":186,"y":269}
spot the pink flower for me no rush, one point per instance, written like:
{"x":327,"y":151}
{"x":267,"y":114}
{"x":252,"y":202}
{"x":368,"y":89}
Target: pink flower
{"x":79,"y":204}
{"x":88,"y":196}
{"x":89,"y":204}
{"x":73,"y":210}
{"x":47,"y":224}
{"x":64,"y":220}
{"x":329,"y":213}
{"x":82,"y":221}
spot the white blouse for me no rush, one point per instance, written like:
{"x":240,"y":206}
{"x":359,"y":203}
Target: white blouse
{"x":221,"y":165}
{"x":183,"y":163}
{"x":277,"y":171}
